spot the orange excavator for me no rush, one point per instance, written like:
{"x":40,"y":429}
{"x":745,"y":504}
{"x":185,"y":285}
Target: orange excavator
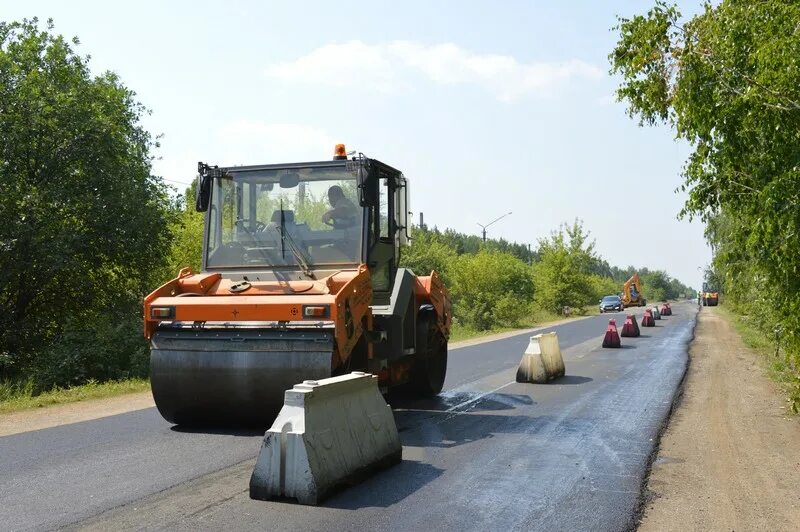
{"x":632,"y":292}
{"x":300,"y":281}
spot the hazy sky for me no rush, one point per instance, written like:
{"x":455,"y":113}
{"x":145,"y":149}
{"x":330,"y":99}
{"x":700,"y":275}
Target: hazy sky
{"x":486,"y":106}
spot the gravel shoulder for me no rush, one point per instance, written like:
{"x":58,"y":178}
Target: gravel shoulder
{"x":730,"y":457}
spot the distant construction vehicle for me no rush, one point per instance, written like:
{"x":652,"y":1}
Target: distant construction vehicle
{"x":300,"y":281}
{"x":710,"y":296}
{"x":632,"y":292}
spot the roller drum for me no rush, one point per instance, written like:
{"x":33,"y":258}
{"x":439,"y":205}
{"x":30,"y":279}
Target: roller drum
{"x":216,"y":377}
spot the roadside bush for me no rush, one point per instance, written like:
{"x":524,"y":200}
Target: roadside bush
{"x":562,"y":273}
{"x":491,"y":289}
{"x":603,"y":286}
{"x":428,"y":253}
{"x":109,"y":348}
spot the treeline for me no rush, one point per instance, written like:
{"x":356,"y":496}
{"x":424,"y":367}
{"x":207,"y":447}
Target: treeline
{"x":497,"y":283}
{"x":728,"y":82}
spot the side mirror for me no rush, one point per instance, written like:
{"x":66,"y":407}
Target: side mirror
{"x":203,"y":195}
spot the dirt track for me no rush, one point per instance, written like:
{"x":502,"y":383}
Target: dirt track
{"x":730,"y":458}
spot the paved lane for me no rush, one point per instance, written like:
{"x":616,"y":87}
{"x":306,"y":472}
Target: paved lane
{"x":485,"y":452}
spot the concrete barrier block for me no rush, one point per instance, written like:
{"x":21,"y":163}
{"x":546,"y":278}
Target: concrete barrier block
{"x":611,"y":337}
{"x":542,"y":360}
{"x":329,"y":434}
{"x":656,"y":313}
{"x":630,"y":329}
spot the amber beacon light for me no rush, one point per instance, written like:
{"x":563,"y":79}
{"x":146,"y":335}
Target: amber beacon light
{"x":339,"y":152}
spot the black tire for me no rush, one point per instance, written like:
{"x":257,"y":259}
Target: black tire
{"x":430,"y":367}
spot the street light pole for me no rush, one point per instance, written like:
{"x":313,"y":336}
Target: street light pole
{"x":490,"y":223}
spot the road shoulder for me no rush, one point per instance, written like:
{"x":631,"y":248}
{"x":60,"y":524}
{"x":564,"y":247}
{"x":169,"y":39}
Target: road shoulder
{"x":64,"y":414}
{"x":730,"y":456}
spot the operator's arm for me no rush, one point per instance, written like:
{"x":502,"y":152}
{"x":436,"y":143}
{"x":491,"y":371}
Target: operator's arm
{"x":344,"y":209}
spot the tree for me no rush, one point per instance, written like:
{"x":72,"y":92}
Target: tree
{"x":428,"y":253}
{"x":491,"y":289}
{"x":187,"y":228}
{"x":82,"y":220}
{"x":563,"y":273}
{"x":728,"y":82}
{"x":657,"y":285}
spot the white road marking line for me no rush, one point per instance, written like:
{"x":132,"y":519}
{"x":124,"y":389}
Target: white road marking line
{"x":479,"y":397}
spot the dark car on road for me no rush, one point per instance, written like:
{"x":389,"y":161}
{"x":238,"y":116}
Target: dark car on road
{"x":611,"y":304}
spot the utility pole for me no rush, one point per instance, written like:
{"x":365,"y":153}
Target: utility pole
{"x":490,"y":223}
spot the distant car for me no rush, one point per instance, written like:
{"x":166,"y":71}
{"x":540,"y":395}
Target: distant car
{"x":611,"y":304}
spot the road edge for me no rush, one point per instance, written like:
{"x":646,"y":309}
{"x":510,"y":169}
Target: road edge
{"x":645,"y":495}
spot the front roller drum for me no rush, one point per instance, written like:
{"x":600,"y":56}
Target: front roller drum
{"x":223,"y":377}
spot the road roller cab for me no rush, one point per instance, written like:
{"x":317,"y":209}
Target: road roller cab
{"x":300,"y":280}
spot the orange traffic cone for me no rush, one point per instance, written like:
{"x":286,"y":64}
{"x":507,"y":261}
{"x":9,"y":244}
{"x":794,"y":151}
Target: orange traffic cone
{"x":611,"y":339}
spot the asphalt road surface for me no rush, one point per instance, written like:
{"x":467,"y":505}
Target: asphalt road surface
{"x":488,"y":454}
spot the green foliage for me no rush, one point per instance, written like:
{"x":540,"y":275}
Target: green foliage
{"x":463,"y":243}
{"x":187,"y":246}
{"x":429,"y":252}
{"x":106,"y":348}
{"x":563,"y":273}
{"x":566,"y":272}
{"x":728,"y":82}
{"x":22,"y":395}
{"x":81,"y":218}
{"x":603,"y":286}
{"x":657,"y":285}
{"x":491,"y":289}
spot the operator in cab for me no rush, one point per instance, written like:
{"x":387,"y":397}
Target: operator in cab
{"x":343,"y":212}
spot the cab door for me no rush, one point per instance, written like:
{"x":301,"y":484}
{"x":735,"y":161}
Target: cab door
{"x":381,"y":259}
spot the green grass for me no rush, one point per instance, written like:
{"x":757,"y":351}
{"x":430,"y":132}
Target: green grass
{"x":459,"y":333}
{"x":14,"y":397}
{"x":779,"y":368}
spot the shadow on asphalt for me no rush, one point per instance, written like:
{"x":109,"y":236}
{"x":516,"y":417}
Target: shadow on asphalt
{"x":446,"y":430}
{"x":386,"y":488}
{"x":572,"y":379}
{"x":220,"y":430}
